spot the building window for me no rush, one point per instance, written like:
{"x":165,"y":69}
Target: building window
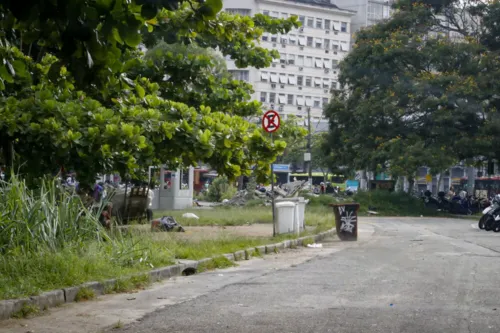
{"x":300,"y":80}
{"x":283,"y":79}
{"x":290,"y":99}
{"x":325,"y":102}
{"x":283,"y":40}
{"x":318,"y":63}
{"x":239,"y":11}
{"x":326,"y":83}
{"x":240,"y":75}
{"x":309,"y":41}
{"x":336,"y":26}
{"x":344,"y":47}
{"x":300,"y":100}
{"x":335,"y":45}
{"x":282,"y":98}
{"x":328,"y":24}
{"x":275,"y":14}
{"x":302,"y":40}
{"x":308,"y":81}
{"x":335,"y":63}
{"x":334,"y":84}
{"x":292,"y":39}
{"x":284,"y":15}
{"x":326,"y":44}
{"x":375,"y":11}
{"x":291,"y":59}
{"x":265,"y":38}
{"x":309,"y":62}
{"x":264,"y":76}
{"x":310,"y":22}
{"x":282,"y":58}
{"x":318,"y":43}
{"x":291,"y":80}
{"x":319,"y":23}
{"x":302,"y":19}
{"x":263,"y":97}
{"x":309,"y":101}
{"x":272,"y":98}
{"x":317,"y":82}
{"x":274,"y":39}
{"x":343,"y":27}
{"x":317,"y":103}
{"x":265,"y":12}
{"x":300,"y":61}
{"x":274,"y":78}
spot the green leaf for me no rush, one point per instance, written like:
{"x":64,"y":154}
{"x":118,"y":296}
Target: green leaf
{"x":5,"y":75}
{"x":116,"y":35}
{"x":20,"y":68}
{"x":140,"y":91}
{"x":132,"y":38}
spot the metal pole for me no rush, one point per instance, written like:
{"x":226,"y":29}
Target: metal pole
{"x":272,"y":192}
{"x":309,"y":146}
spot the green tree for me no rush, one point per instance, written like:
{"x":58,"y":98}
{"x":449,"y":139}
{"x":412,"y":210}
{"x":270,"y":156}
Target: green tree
{"x":76,"y":91}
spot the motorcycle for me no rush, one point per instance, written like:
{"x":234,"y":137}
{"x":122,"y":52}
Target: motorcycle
{"x":491,"y":216}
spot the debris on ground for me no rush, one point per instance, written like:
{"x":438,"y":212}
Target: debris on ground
{"x":190,"y":216}
{"x":315,"y":246}
{"x":266,"y":194}
{"x":371,"y":212}
{"x":166,"y":223}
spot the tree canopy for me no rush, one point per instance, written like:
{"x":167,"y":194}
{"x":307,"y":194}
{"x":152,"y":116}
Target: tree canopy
{"x":416,"y":97}
{"x":78,"y":92}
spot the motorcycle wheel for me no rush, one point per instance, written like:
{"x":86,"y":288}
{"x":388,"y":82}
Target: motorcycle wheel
{"x":482,"y":221}
{"x":496,"y":227}
{"x":488,"y":224}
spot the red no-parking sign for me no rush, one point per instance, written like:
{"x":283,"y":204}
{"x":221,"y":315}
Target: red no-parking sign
{"x":271,"y":121}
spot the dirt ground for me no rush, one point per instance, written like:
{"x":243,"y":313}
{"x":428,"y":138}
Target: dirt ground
{"x":209,"y":232}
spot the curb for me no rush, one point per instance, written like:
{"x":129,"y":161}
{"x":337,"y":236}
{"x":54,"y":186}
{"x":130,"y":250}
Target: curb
{"x":57,"y":297}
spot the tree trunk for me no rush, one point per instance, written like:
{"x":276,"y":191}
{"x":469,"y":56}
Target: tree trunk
{"x":240,"y":183}
{"x":411,"y":184}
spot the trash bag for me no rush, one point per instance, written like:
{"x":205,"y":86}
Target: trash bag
{"x":168,"y":223}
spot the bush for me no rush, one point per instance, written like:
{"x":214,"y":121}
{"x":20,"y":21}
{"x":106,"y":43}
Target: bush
{"x":390,"y":203}
{"x":220,"y":189}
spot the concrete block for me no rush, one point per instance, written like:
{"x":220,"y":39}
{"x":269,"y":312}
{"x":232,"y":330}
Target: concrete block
{"x":229,"y":256}
{"x":280,"y":246}
{"x":175,"y":270}
{"x":249,"y":253}
{"x":49,"y":299}
{"x":10,"y":307}
{"x":97,"y":287}
{"x":239,"y":255}
{"x":293,"y":243}
{"x":299,"y":241}
{"x":70,"y":293}
{"x":154,"y":275}
{"x":261,"y":249}
{"x":286,"y":244}
{"x":270,"y":248}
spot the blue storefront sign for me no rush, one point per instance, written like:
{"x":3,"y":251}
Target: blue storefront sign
{"x":281,"y":167}
{"x":353,"y":184}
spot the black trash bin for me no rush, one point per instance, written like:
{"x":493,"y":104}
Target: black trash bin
{"x":346,"y":220}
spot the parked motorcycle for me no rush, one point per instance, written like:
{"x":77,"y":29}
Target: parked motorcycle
{"x":491,"y":216}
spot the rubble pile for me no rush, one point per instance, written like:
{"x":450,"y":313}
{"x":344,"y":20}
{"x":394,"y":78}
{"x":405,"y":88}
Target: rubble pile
{"x":286,"y":191}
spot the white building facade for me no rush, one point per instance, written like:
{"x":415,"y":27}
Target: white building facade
{"x":368,"y":12}
{"x":303,"y":78}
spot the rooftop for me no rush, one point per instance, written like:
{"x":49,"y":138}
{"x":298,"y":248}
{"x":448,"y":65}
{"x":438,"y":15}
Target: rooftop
{"x":322,"y":3}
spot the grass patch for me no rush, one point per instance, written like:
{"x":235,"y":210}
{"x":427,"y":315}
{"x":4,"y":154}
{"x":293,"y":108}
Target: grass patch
{"x":223,"y":216}
{"x":136,"y":282}
{"x":215,"y":263}
{"x":118,"y":325}
{"x":28,"y":310}
{"x":84,"y":294}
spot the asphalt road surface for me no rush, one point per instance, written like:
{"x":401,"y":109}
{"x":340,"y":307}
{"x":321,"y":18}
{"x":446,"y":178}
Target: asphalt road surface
{"x":410,"y":275}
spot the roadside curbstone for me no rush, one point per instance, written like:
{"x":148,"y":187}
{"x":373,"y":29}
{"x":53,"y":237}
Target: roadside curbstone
{"x":67,"y":295}
{"x":49,"y":299}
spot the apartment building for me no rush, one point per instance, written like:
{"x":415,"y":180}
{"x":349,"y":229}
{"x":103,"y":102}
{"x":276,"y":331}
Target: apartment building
{"x":368,"y":12}
{"x":303,"y":78}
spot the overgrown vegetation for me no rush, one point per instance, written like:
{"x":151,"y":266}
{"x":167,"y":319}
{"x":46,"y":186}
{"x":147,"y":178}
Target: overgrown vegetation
{"x":220,"y":189}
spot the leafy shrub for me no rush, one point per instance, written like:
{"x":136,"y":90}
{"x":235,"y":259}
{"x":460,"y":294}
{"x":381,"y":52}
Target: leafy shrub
{"x":220,"y":189}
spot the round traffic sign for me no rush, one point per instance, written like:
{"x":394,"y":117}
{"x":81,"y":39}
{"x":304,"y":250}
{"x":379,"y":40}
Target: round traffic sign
{"x":271,"y":121}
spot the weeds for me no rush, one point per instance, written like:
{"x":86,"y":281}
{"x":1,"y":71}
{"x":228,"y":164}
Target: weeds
{"x":84,"y":294}
{"x":215,"y":263}
{"x":26,"y":311}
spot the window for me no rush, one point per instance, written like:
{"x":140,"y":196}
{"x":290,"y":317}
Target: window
{"x":326,"y":83}
{"x":375,"y":11}
{"x":319,"y":23}
{"x":300,"y":100}
{"x":272,"y":98}
{"x":283,"y":79}
{"x":328,"y":24}
{"x":309,"y":41}
{"x":309,"y":62}
{"x":317,"y":103}
{"x":317,"y":82}
{"x":265,"y":12}
{"x":283,"y":40}
{"x":292,"y":39}
{"x":327,"y":63}
{"x":310,"y":22}
{"x":300,"y":80}
{"x":240,"y":75}
{"x":291,"y":59}
{"x":274,"y":78}
{"x":284,"y":15}
{"x":336,"y":25}
{"x":292,"y":80}
{"x":302,"y":20}
{"x":283,"y":58}
{"x":318,"y":63}
{"x":300,"y":61}
{"x":326,"y":44}
{"x":263,"y":97}
{"x":318,"y":43}
{"x":334,"y":63}
{"x":325,"y":101}
{"x":264,"y":76}
{"x":282,"y":99}
{"x":344,"y":47}
{"x":184,"y":179}
{"x":275,"y":14}
{"x":290,"y":99}
{"x":343,"y":27}
{"x":302,"y":41}
{"x":335,"y":45}
{"x":265,"y":38}
{"x":309,"y":101}
{"x":308,"y":81}
{"x":238,"y":11}
{"x":334,"y":84}
{"x":274,"y":38}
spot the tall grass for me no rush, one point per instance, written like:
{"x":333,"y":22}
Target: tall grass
{"x":46,"y":218}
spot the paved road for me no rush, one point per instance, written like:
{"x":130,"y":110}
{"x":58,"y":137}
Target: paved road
{"x":411,"y":275}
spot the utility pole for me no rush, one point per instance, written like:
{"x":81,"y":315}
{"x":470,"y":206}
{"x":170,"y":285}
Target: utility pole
{"x":309,"y":146}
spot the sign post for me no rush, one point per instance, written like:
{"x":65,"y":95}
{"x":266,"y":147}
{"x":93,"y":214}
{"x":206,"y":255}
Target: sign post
{"x":270,"y":123}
